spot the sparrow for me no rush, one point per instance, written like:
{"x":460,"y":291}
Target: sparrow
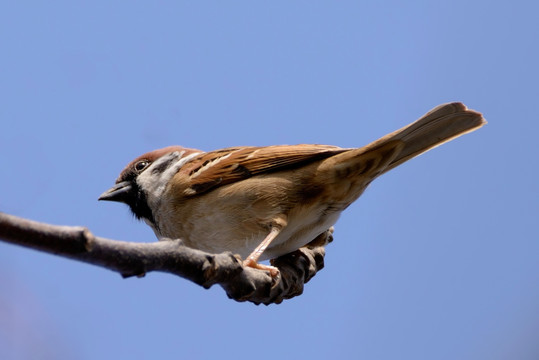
{"x":264,"y":202}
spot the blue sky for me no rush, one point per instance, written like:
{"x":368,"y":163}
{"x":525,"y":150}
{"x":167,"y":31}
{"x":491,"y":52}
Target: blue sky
{"x":439,"y":259}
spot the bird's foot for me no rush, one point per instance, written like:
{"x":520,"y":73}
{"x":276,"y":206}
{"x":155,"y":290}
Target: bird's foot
{"x":274,"y":272}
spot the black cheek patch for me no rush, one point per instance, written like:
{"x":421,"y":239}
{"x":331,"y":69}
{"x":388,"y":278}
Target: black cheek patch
{"x":162,"y":166}
{"x":139,"y":206}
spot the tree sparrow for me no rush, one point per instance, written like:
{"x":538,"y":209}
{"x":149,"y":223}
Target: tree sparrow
{"x":264,"y":202}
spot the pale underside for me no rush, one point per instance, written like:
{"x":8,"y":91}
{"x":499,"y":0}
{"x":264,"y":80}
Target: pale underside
{"x":229,"y":225}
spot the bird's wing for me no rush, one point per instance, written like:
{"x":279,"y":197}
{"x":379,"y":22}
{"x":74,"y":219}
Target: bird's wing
{"x":221,"y":167}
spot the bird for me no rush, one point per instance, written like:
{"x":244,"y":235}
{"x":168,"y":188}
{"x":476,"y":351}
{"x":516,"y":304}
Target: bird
{"x":262,"y":202}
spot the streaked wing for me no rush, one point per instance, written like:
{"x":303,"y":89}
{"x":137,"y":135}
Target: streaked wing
{"x":226,"y":166}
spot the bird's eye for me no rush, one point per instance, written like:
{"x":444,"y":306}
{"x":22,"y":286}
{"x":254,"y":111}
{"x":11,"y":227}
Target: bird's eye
{"x":141,"y":165}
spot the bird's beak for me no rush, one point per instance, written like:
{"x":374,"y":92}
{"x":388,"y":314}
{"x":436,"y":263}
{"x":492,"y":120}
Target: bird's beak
{"x":119,"y":192}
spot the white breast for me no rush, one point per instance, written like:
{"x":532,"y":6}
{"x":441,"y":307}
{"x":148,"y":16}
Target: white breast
{"x":302,"y":228}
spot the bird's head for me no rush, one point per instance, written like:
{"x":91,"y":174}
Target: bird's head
{"x":142,"y":182}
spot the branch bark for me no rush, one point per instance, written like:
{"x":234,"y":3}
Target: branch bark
{"x":205,"y":269}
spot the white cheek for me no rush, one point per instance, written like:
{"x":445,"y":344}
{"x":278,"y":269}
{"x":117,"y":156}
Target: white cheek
{"x":154,"y":183}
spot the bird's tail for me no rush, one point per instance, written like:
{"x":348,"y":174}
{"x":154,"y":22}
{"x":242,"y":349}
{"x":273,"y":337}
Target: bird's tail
{"x":441,"y":124}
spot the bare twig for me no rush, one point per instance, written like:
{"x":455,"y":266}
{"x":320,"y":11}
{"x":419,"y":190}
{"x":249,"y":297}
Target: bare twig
{"x":205,"y":269}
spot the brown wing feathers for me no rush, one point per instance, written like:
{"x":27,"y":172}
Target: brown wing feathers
{"x":440,"y":125}
{"x":208,"y":171}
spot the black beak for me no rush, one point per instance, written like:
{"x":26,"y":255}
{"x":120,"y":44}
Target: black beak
{"x":120,"y":192}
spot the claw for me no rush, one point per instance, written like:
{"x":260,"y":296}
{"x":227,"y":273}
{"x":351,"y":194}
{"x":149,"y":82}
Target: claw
{"x":274,"y":272}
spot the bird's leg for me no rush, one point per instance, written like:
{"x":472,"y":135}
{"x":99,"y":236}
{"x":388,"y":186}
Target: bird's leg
{"x":252,"y":259}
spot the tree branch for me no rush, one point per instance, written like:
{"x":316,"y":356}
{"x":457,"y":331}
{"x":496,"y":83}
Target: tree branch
{"x":205,"y":269}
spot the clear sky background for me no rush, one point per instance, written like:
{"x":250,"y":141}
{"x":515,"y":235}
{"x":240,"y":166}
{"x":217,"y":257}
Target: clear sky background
{"x":438,"y":260}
